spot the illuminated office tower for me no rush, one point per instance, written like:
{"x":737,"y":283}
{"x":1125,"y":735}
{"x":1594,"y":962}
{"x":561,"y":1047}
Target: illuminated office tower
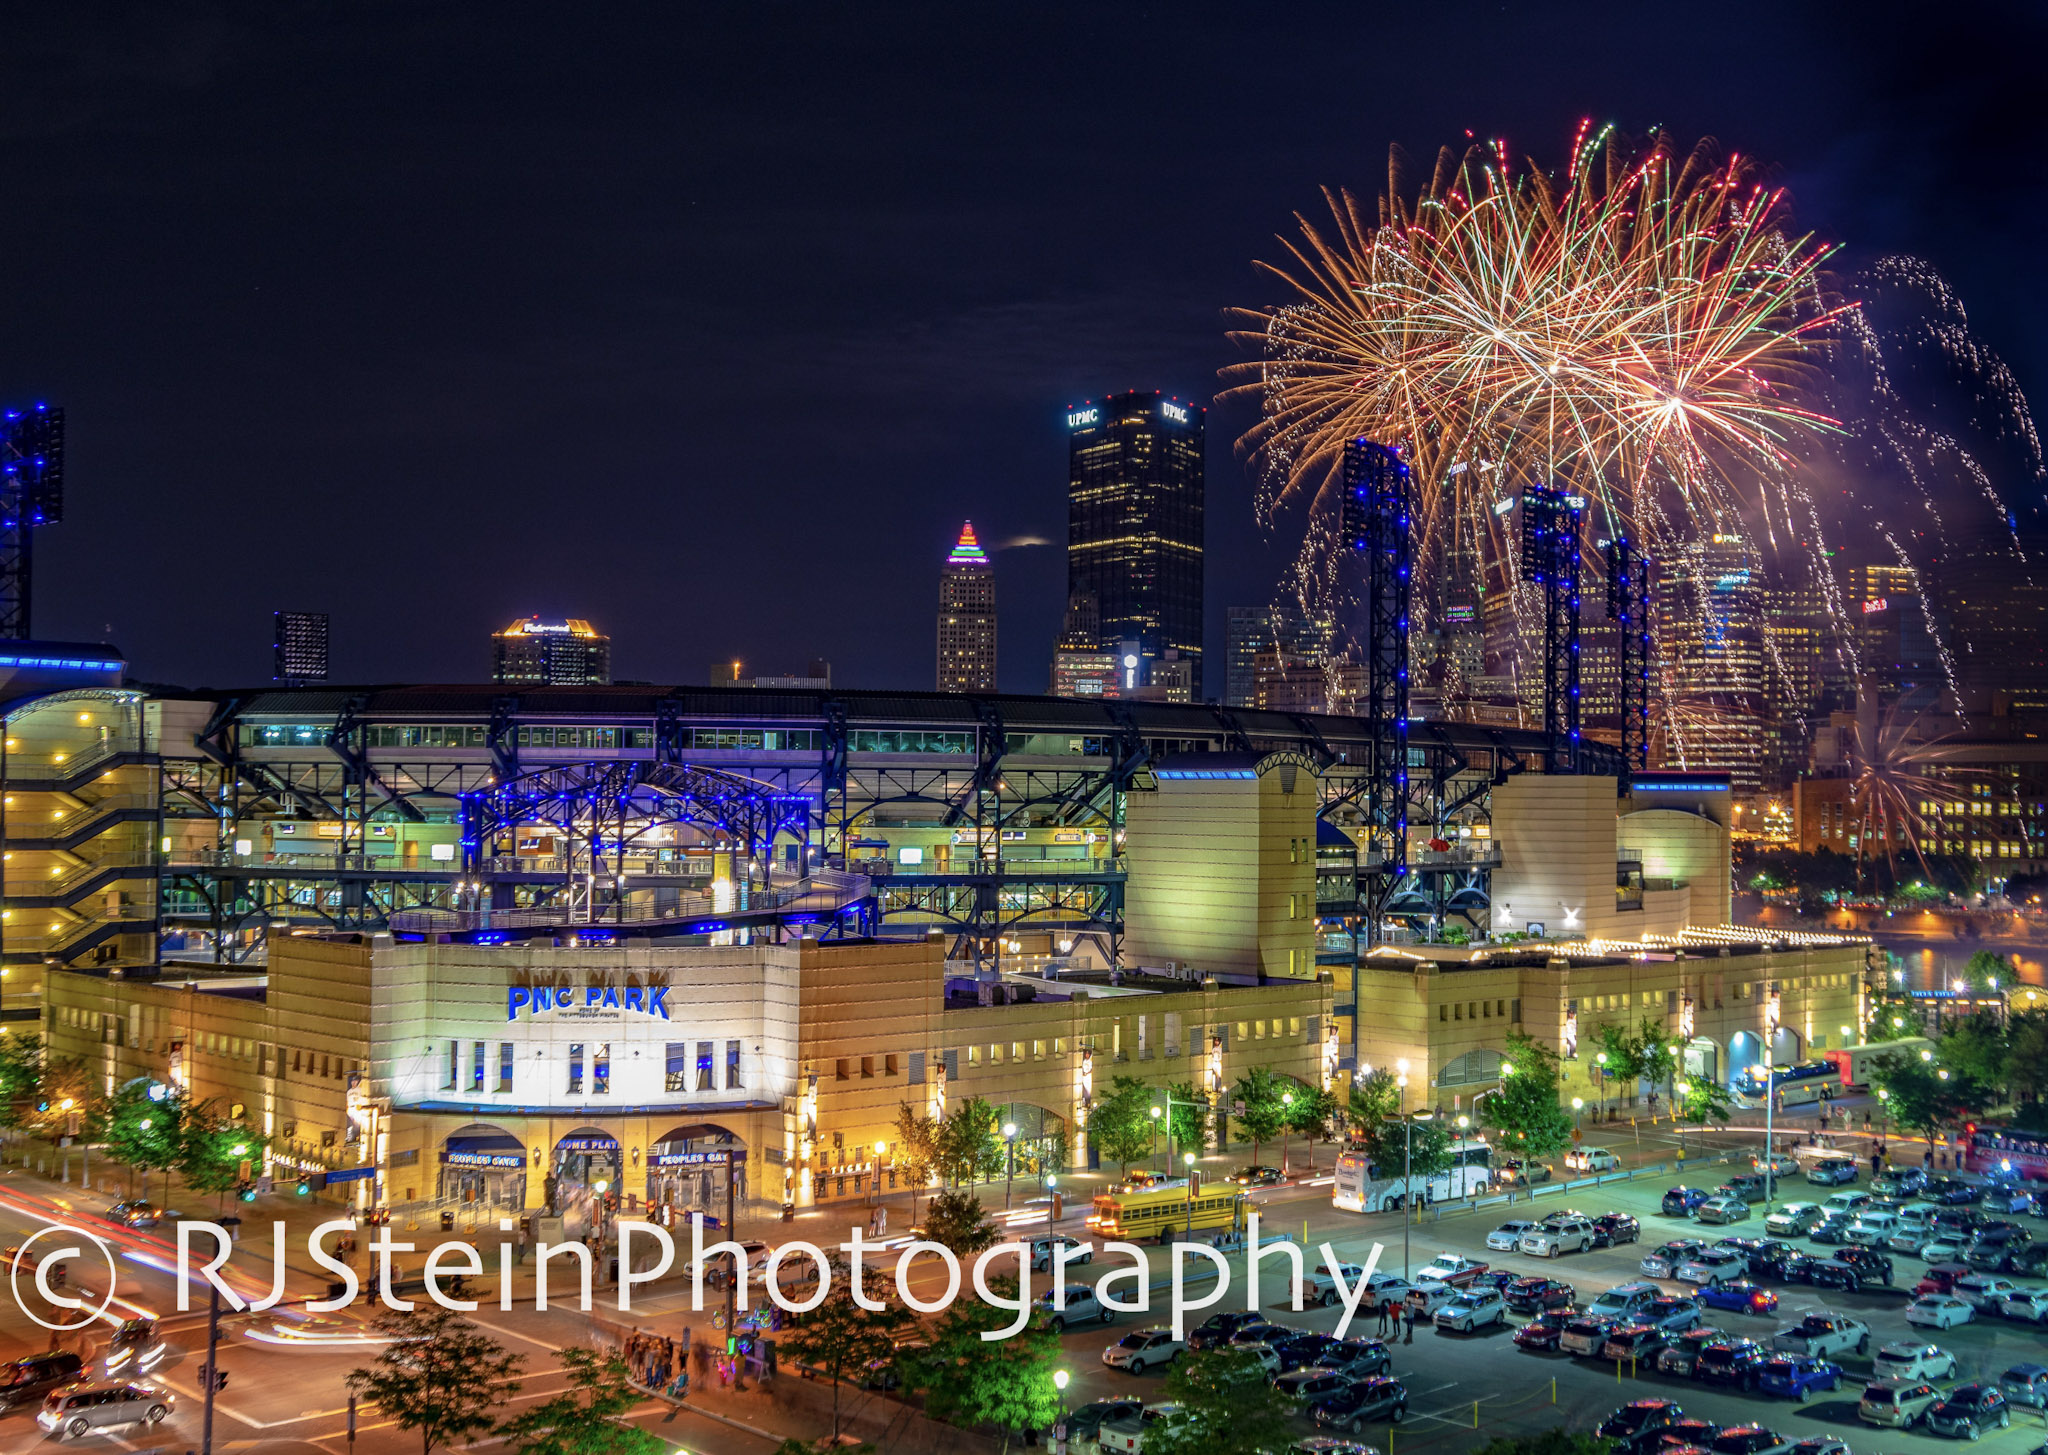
{"x":1710,"y":642}
{"x":1894,"y":646}
{"x":1134,"y":524}
{"x":561,"y":652}
{"x":967,"y":618}
{"x":1081,"y":665}
{"x":1261,"y":641}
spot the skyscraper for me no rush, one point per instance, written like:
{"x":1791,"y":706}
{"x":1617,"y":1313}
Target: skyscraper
{"x":1081,"y":666}
{"x":1285,"y":636}
{"x":563,"y":652}
{"x":1135,"y":501}
{"x":1710,"y":639}
{"x":298,"y":646}
{"x":967,"y":618}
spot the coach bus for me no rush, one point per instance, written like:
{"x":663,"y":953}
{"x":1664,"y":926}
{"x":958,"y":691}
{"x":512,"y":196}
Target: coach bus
{"x":1801,"y":1085}
{"x":1362,"y":1187}
{"x":1163,"y":1214}
{"x":1999,"y":1151}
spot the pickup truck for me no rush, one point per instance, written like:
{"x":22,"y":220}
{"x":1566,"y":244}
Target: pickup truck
{"x":1126,"y":1436}
{"x":1452,"y":1269}
{"x":1081,"y":1307}
{"x":1823,"y":1334}
{"x":1321,"y":1285}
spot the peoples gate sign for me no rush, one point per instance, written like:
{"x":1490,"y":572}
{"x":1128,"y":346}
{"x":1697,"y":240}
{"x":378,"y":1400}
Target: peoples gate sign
{"x":540,"y":999}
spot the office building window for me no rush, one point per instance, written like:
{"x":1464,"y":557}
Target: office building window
{"x":601,"y":1070}
{"x":917,"y":1068}
{"x":576,"y":1069}
{"x":704,"y":1081}
{"x":505,"y":1065}
{"x":732,"y":1065}
{"x":678,"y":1077}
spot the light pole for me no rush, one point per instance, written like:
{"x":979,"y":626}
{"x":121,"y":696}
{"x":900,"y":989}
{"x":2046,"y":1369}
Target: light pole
{"x":1166,"y":1161}
{"x":1286,"y":1103}
{"x":1601,"y":1062}
{"x":1059,"y":1430}
{"x":1884,"y":1117}
{"x":1408,"y":1179}
{"x":1678,"y":1091}
{"x":1188,"y":1161}
{"x":1052,"y":1200}
{"x":1010,"y":1159}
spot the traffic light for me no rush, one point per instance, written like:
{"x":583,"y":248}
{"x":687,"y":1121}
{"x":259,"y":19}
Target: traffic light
{"x":304,"y":1187}
{"x":732,"y":1345}
{"x":246,"y":1191}
{"x":1969,"y":1129}
{"x":43,"y":1105}
{"x":220,"y":1380}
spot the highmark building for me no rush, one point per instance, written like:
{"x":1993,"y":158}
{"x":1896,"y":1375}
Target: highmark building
{"x":486,"y":949}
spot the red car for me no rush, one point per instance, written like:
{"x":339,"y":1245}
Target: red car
{"x":1941,"y":1277}
{"x":1542,"y":1331}
{"x":1535,"y":1295}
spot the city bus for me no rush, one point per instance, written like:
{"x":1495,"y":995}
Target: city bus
{"x":1362,"y":1187}
{"x":1801,"y":1085}
{"x":1855,"y":1062}
{"x":1163,"y":1214}
{"x":1998,"y":1151}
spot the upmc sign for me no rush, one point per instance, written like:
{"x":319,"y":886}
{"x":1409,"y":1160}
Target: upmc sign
{"x":535,"y":1000}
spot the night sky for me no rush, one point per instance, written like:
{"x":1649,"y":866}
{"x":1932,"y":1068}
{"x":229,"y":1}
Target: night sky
{"x":711,"y":323}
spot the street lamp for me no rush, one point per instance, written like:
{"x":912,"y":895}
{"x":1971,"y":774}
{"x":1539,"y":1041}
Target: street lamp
{"x":1010,"y":1159}
{"x":1408,"y":1178}
{"x":1051,"y":1201}
{"x":1165,"y":1161}
{"x":1286,"y":1101}
{"x":1678,"y":1091}
{"x":1059,"y":1430}
{"x":1884,"y":1116}
{"x":1601,"y":1061}
{"x":1187,"y":1160}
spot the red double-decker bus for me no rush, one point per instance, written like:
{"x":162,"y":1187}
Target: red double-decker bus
{"x":1997,"y":1151}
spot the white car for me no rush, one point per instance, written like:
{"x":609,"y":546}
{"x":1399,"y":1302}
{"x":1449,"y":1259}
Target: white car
{"x":1042,"y":1250}
{"x":1908,"y":1360}
{"x":1710,"y":1266}
{"x":1778,"y":1164}
{"x":1425,"y":1298}
{"x":1127,"y":1435}
{"x":1553,"y":1239}
{"x":1847,"y":1204}
{"x":1947,"y":1248}
{"x":1591,"y":1159}
{"x":1473,"y":1309}
{"x":1507,"y":1238}
{"x":1268,"y":1357}
{"x":1939,"y":1311}
{"x":1144,"y":1349}
{"x":2025,"y":1305}
{"x":1985,"y":1291}
{"x":1081,"y":1307}
{"x":1321,"y":1285}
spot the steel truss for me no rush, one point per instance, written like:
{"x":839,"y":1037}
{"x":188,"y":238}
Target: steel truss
{"x":1376,"y":524}
{"x":1551,"y":522}
{"x":1628,"y":603}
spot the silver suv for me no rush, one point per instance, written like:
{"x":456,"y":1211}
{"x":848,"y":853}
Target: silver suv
{"x":78,"y":1408}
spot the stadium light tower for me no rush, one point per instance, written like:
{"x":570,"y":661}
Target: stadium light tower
{"x":31,"y":494}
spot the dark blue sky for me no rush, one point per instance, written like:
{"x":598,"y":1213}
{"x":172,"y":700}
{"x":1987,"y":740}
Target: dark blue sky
{"x":711,"y":323}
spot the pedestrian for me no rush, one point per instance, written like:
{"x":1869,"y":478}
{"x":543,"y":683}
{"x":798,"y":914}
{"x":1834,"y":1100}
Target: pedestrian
{"x":1402,"y":1317}
{"x":1382,"y":1311}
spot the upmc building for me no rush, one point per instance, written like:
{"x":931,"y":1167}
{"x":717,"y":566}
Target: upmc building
{"x":516,"y":949}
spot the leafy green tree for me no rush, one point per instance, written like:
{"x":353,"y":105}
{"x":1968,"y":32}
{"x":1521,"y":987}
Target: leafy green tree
{"x":1190,"y":1116}
{"x":440,"y":1377}
{"x":1264,"y":1116}
{"x":1227,"y":1408}
{"x":839,"y":1338}
{"x":969,"y":1149}
{"x":1700,"y":1101}
{"x":213,"y":1150}
{"x":1526,"y":1111}
{"x":1120,"y":1123}
{"x":1918,"y":1097}
{"x":22,"y":1057}
{"x":1006,"y":1383}
{"x":146,"y":1133}
{"x":1978,"y":1047}
{"x":916,"y":1150}
{"x":956,"y":1219}
{"x":1421,"y":1144}
{"x":1987,"y":971}
{"x":1374,"y":1097}
{"x":588,"y":1418}
{"x":2027,"y":1053}
{"x":1312,"y":1114}
{"x":1892,"y":1017}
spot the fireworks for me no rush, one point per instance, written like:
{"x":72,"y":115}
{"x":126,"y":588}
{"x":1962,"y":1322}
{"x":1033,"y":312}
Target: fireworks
{"x":1901,"y":773}
{"x":1643,"y":331}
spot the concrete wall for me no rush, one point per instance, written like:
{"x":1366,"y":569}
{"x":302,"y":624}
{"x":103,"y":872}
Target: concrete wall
{"x":1681,"y":844}
{"x":1557,"y":838}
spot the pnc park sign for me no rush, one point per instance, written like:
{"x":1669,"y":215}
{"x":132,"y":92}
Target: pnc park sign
{"x":596,"y":999}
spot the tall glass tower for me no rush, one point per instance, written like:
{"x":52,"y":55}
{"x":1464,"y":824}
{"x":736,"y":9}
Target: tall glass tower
{"x":967,"y":618}
{"x":1135,"y":499}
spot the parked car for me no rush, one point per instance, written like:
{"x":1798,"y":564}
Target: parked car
{"x":1043,"y":1249}
{"x":2025,"y":1305}
{"x":1217,"y":1329}
{"x":1829,"y":1273}
{"x":1679,"y":1201}
{"x":1820,"y":1334}
{"x":1750,"y":1440}
{"x":1778,"y":1164}
{"x":1081,"y":1307}
{"x":1831,"y":1171}
{"x":1670,"y":1315}
{"x":1896,"y":1403}
{"x":1640,"y":1424}
{"x":1634,"y":1343}
{"x":1793,"y":1219}
{"x":1357,"y":1357}
{"x":1261,"y":1331}
{"x":1940,"y":1310}
{"x":1567,"y":1235}
{"x":1832,"y":1228}
{"x":1450,"y":1268}
{"x":1144,"y":1349}
{"x":1847,"y":1204}
{"x":1731,"y":1361}
{"x":1360,"y":1403}
{"x":1323,"y":1285}
{"x":1749,"y":1186}
{"x":1951,"y":1191}
{"x":1681,"y":1355}
{"x":1474,"y":1309}
{"x":1306,"y":1386}
{"x":1873,"y":1269}
{"x":1739,"y":1296}
{"x":1997,"y":1250}
{"x":1768,"y":1256}
{"x":1899,"y":1181}
{"x":2009,"y":1197}
{"x":1543,"y":1331}
{"x":77,"y":1409}
{"x":26,"y":1381}
{"x":1663,"y":1260}
{"x":1983,"y":1290}
{"x":1872,"y":1229}
{"x":1613,"y":1229}
{"x":1910,"y":1359}
{"x":1507,"y":1238}
{"x":1713,"y":1265}
{"x":2025,"y":1384}
{"x":1424,"y":1299}
{"x":1587,"y":1334}
{"x":1941,"y":1277}
{"x":1267,"y":1356}
{"x":1533,"y":1295}
{"x":1125,"y":1435}
{"x":1821,"y":1445}
{"x":1624,"y":1299}
{"x":1087,"y":1421}
{"x":1795,"y":1376}
{"x":1592,"y":1159}
{"x":1690,"y":1433}
{"x":1969,"y":1411}
{"x":1723,"y":1210}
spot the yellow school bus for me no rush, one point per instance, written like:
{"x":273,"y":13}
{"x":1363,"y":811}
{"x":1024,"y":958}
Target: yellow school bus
{"x":1168,"y":1213}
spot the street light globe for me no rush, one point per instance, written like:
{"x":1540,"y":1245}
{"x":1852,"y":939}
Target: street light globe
{"x":1464,"y":1121}
{"x":881,"y":1149}
{"x":1009,"y":1129}
{"x":1898,"y":1021}
{"x":601,"y":1185}
{"x":1680,"y":1088}
{"x":240,"y":1149}
{"x":1051,"y":1181}
{"x":1927,"y":1055}
{"x":146,"y":1123}
{"x":1578,"y":1103}
{"x":1401,"y":1066}
{"x":1601,"y":1058}
{"x":1287,"y":1098}
{"x":1507,"y":1068}
{"x":1187,"y":1159}
{"x":1884,"y":1093}
{"x":1942,"y":1073}
{"x":1154,"y":1113}
{"x":1059,"y":1379}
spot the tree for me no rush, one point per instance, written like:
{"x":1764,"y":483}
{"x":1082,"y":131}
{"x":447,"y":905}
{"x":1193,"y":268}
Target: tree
{"x":1263,"y":1116}
{"x":1892,"y":1017}
{"x":1986,"y":971}
{"x":1917,"y":1096}
{"x":1699,"y":1101}
{"x":587,"y":1418}
{"x":1227,"y":1407}
{"x":1526,"y":1110}
{"x":957,"y":1220}
{"x":21,"y":1076}
{"x":969,"y":1149}
{"x":839,"y":1338}
{"x":213,"y":1150}
{"x":1189,"y":1114}
{"x":1120,"y":1124}
{"x":1311,"y":1114}
{"x":1007,"y":1383}
{"x":145,"y":1128}
{"x":2027,"y":1053}
{"x":1978,"y":1047}
{"x":1421,"y":1144}
{"x":1374,"y":1097}
{"x":916,"y":1149}
{"x":440,"y":1376}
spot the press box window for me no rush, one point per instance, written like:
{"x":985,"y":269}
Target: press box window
{"x":677,"y":1077}
{"x":476,"y":1066}
{"x":601,"y":1070}
{"x":504,"y":1065}
{"x":576,"y":1069}
{"x":732,"y":1065}
{"x":704,"y":1081}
